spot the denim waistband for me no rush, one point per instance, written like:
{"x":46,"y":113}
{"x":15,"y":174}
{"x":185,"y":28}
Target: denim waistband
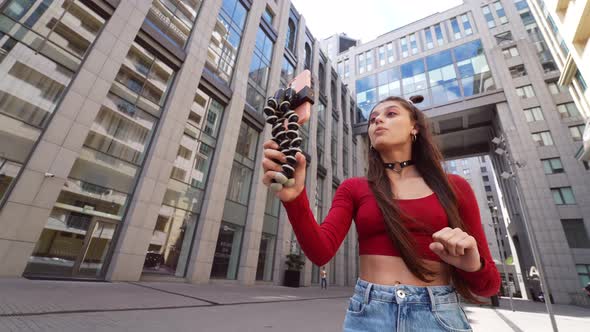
{"x":435,"y":295}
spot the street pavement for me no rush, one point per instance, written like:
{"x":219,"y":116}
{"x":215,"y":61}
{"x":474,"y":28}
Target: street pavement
{"x":41,"y":305}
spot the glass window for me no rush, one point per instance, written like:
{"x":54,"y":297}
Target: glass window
{"x":268,"y":16}
{"x":533,"y":114}
{"x":466,"y":25}
{"x":246,"y":146}
{"x":583,"y":274}
{"x":319,"y":200}
{"x":554,"y":88}
{"x":291,"y":35}
{"x":581,"y":81}
{"x":227,"y":251}
{"x":504,"y":38}
{"x":266,"y":252}
{"x":334,"y":144}
{"x":442,"y":78}
{"x":104,"y":174}
{"x":563,"y":196}
{"x":340,"y":68}
{"x":304,"y":132}
{"x":35,"y":74}
{"x":455,"y":27}
{"x":259,"y":70}
{"x":543,"y":138}
{"x":308,"y":56}
{"x":510,"y":52}
{"x":369,"y":58}
{"x":413,"y":77}
{"x":439,"y":35}
{"x":360,"y":60}
{"x":577,"y":132}
{"x":366,"y":93}
{"x":225,"y":40}
{"x":521,"y":4}
{"x":488,"y":16}
{"x":321,"y":133}
{"x":413,"y":43}
{"x":500,"y":12}
{"x":390,"y":55}
{"x":473,"y":68}
{"x":525,"y":91}
{"x":568,"y":110}
{"x":287,"y":72}
{"x":517,"y":71}
{"x":346,"y":67}
{"x":429,"y":41}
{"x":322,"y":78}
{"x":404,"y":45}
{"x":552,"y":165}
{"x":174,"y":20}
{"x":381,"y":55}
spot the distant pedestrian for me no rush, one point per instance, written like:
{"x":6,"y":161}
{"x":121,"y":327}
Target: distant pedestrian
{"x":587,"y":289}
{"x":324,"y":276}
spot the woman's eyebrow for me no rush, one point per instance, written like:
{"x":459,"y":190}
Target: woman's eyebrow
{"x":395,"y":107}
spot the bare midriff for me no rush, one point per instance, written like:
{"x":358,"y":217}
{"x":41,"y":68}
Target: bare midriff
{"x":391,"y":270}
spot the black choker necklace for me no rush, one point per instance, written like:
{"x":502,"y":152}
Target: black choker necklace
{"x":397,"y":166}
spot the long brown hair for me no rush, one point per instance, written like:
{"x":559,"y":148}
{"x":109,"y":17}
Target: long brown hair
{"x":427,"y":160}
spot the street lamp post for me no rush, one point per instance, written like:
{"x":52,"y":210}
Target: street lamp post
{"x":525,"y":220}
{"x":494,"y":212}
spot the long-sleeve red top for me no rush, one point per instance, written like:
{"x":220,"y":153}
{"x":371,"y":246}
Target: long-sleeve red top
{"x":354,"y":200}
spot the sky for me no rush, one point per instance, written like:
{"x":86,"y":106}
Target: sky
{"x":365,"y":19}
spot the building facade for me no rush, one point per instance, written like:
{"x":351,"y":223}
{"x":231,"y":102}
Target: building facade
{"x":565,"y":26}
{"x":131,"y":134}
{"x":491,"y":88}
{"x":479,"y":172}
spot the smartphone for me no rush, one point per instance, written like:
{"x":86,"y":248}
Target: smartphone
{"x":302,"y":84}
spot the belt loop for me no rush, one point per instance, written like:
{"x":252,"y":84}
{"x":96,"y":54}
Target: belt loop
{"x":432,"y":298}
{"x":366,"y":298}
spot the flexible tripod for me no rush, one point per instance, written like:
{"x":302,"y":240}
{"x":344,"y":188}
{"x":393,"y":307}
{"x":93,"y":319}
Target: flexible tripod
{"x":281,"y":113}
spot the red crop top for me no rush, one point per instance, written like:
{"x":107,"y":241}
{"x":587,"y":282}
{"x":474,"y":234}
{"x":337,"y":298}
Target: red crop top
{"x":354,"y":199}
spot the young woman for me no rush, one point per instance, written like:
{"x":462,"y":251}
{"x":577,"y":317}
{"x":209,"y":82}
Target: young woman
{"x":420,"y":236}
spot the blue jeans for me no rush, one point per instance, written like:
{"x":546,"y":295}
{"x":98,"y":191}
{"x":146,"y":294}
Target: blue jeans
{"x":404,"y":308}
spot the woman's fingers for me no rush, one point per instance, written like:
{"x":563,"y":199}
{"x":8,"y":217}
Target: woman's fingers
{"x":270,"y":144}
{"x":268,"y":177}
{"x":275,"y":154}
{"x":455,"y":241}
{"x":269,"y":165}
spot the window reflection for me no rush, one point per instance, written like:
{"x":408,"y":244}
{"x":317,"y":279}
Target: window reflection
{"x":225,"y":40}
{"x":98,"y":187}
{"x":173,"y":234}
{"x":42,"y":44}
{"x":442,"y":78}
{"x":473,"y":68}
{"x":174,"y":19}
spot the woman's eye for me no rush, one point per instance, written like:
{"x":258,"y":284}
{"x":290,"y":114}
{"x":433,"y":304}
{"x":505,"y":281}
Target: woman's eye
{"x":391,"y":114}
{"x":372,"y":120}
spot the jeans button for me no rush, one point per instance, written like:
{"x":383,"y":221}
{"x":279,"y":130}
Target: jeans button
{"x":401,"y":294}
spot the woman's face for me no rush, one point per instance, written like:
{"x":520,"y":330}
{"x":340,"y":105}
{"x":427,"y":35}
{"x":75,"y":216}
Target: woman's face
{"x":390,"y":124}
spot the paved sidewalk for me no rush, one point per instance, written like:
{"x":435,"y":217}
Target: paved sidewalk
{"x":37,"y":305}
